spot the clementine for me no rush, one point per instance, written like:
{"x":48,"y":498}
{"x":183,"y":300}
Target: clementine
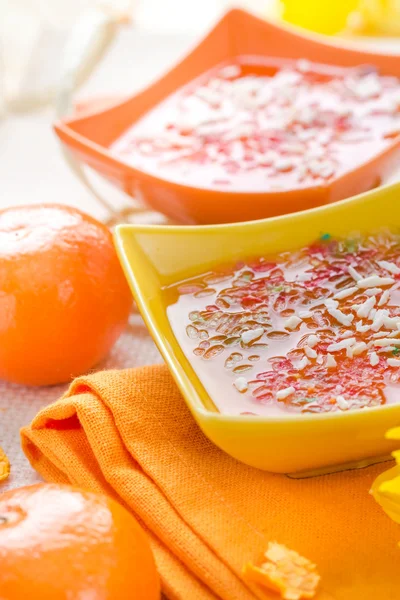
{"x":64,"y":300}
{"x":59,"y":543}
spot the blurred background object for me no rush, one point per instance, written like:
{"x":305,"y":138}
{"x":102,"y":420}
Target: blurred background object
{"x":364,"y":17}
{"x":377,"y":17}
{"x":45,"y":43}
{"x":322,"y":17}
{"x":35,"y":34}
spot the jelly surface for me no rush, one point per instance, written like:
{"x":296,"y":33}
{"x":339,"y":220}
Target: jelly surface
{"x":263,"y":125}
{"x":311,"y":331}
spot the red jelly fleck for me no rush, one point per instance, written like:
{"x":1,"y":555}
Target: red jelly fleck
{"x":250,"y":301}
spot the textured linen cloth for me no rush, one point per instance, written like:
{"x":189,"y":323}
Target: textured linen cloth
{"x":129,"y":434}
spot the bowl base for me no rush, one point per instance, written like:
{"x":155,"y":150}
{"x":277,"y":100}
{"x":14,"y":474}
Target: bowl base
{"x":357,"y":464}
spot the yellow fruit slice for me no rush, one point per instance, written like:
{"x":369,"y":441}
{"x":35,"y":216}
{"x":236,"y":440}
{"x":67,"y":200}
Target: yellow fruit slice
{"x":4,"y":466}
{"x":377,"y":17}
{"x":285,"y":572}
{"x":323,"y":17}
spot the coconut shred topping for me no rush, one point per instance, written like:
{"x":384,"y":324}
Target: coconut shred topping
{"x":263,"y":337}
{"x":266,"y":126}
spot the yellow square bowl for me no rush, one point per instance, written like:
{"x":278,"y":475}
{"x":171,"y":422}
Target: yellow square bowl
{"x":155,"y":257}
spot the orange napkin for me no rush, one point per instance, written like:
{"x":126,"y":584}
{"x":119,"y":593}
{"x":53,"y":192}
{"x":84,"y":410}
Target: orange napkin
{"x":130,"y":435}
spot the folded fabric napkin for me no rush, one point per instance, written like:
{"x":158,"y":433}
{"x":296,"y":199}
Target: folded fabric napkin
{"x":130,"y":435}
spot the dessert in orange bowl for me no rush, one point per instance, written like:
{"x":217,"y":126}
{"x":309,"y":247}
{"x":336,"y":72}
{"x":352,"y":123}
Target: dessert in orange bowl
{"x":260,"y":119}
{"x":63,"y":297}
{"x":60,"y":542}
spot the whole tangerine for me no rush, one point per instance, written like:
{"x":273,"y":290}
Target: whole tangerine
{"x":64,"y":300}
{"x":61,"y":543}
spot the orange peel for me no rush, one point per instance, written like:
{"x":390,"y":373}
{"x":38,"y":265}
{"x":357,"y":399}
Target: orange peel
{"x":285,"y":572}
{"x":4,"y":466}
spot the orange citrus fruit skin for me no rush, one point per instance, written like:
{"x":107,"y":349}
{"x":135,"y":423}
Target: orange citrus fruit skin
{"x":62,"y":543}
{"x":64,"y":300}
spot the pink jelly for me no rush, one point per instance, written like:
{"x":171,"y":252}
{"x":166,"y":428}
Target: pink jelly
{"x":266,"y":124}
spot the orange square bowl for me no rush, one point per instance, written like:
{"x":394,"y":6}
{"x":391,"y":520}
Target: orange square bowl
{"x":238,"y":33}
